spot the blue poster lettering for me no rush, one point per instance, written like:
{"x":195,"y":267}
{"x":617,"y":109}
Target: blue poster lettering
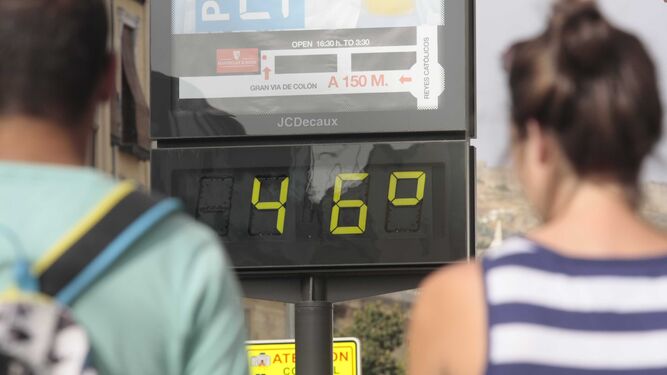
{"x":249,"y":15}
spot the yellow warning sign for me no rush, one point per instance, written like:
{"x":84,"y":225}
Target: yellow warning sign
{"x":279,"y":357}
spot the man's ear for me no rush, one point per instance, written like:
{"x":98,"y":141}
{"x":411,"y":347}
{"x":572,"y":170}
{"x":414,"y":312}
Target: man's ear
{"x":107,"y":86}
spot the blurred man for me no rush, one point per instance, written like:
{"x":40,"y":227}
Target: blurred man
{"x":170,"y":305}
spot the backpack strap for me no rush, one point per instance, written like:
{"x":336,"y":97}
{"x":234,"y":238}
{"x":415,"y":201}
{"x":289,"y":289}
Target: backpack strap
{"x":98,"y":241}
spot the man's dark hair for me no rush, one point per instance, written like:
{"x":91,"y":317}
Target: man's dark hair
{"x":52,"y":56}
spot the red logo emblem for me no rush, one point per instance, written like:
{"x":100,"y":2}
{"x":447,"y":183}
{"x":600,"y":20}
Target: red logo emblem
{"x":238,"y":60}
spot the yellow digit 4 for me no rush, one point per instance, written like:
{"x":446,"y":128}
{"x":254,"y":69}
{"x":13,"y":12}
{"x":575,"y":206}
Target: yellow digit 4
{"x":405,"y":202}
{"x":345,"y":203}
{"x":279,"y":206}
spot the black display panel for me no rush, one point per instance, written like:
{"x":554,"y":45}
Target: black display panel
{"x":233,"y":68}
{"x":318,"y":207}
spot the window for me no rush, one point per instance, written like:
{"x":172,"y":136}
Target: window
{"x":131,"y":122}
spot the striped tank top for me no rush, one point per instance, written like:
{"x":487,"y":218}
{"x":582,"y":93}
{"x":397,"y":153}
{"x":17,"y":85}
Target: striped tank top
{"x":550,"y":314}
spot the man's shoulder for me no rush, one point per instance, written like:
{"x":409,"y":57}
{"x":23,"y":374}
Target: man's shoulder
{"x":176,"y":229}
{"x":180,"y":228}
{"x":177,"y":256}
{"x":180,"y":242}
{"x":152,"y":295}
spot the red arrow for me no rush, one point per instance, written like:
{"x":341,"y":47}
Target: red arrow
{"x":405,"y":79}
{"x":267,"y":71}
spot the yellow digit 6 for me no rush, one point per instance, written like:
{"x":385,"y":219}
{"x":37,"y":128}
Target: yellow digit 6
{"x":279,"y":206}
{"x":338,"y":204}
{"x":404,"y":202}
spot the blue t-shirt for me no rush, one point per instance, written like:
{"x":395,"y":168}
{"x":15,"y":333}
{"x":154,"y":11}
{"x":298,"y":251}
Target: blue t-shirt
{"x":171,"y":305}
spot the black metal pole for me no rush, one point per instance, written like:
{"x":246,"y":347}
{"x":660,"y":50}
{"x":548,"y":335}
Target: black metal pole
{"x":314,"y":331}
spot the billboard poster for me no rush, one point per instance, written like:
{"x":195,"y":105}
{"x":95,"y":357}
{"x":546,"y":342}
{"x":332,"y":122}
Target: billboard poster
{"x":211,"y":16}
{"x":266,"y":56}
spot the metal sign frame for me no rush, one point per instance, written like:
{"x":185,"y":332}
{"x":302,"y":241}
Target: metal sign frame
{"x":313,"y":292}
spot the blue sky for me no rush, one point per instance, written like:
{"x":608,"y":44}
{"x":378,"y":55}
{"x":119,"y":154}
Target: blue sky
{"x":500,"y":23}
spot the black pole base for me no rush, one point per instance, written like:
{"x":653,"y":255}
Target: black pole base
{"x":314,"y":338}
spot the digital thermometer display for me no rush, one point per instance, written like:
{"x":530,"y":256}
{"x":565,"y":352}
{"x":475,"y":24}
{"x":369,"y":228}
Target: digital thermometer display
{"x":326,"y":205}
{"x":347,"y":212}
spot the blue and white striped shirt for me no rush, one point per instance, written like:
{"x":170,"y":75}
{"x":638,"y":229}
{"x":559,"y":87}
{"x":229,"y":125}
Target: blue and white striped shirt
{"x":550,"y":314}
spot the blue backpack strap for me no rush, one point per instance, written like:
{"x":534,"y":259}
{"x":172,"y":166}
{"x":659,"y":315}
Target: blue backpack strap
{"x":98,"y":241}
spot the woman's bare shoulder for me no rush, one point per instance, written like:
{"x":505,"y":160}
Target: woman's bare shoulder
{"x":449,"y":319}
{"x":458,"y":279}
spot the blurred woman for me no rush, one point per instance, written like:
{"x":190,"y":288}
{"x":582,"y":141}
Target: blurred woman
{"x":586,"y":293}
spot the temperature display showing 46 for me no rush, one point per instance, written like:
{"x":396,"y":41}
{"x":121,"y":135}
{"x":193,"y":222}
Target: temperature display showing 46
{"x":320,"y":206}
{"x":342,"y":211}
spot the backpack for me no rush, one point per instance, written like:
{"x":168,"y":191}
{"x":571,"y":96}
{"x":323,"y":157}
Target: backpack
{"x":38,"y":333}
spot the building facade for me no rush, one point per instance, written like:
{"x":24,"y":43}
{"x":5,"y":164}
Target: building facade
{"x":121,"y":140}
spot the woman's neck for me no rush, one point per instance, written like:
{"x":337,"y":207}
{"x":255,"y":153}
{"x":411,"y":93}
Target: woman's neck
{"x":599,"y":220}
{"x":32,"y":140}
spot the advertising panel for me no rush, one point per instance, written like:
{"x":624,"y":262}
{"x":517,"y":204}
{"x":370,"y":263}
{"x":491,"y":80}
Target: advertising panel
{"x":243,"y":67}
{"x":398,"y":58}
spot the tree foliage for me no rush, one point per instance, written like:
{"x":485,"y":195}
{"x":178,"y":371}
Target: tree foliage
{"x":380,"y":329}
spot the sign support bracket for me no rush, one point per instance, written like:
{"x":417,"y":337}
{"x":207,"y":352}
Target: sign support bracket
{"x":314,"y":329}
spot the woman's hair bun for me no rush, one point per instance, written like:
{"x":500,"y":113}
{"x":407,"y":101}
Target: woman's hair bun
{"x":592,"y":85}
{"x":582,"y":35}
